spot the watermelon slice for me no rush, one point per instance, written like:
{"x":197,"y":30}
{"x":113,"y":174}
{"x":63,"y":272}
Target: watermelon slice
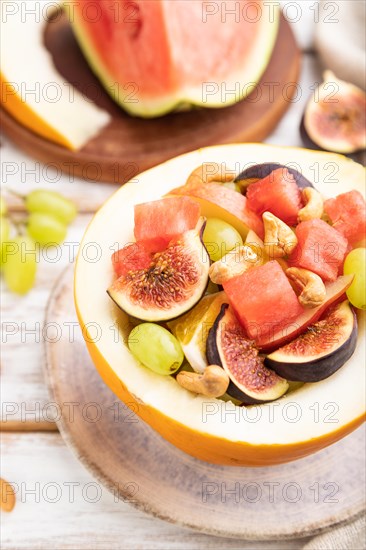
{"x":158,"y":222}
{"x":156,"y":55}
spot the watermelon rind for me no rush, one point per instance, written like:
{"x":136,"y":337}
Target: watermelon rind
{"x":241,"y":83}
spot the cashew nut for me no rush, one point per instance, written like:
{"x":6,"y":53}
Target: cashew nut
{"x":212,"y":383}
{"x":314,"y":205}
{"x":279,"y":239}
{"x":210,"y":172}
{"x":234,"y":263}
{"x":313,"y":292}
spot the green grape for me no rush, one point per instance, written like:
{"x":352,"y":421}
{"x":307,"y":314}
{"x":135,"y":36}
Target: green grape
{"x":219,"y":238}
{"x":51,"y":203}
{"x":4,"y":235}
{"x":45,"y":229}
{"x":356,"y":264}
{"x":232,"y":185}
{"x":156,"y":348}
{"x":20,"y":264}
{"x":3,"y":206}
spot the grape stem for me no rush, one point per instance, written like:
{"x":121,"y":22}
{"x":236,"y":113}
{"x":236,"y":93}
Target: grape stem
{"x":19,"y":226}
{"x":15,"y":193}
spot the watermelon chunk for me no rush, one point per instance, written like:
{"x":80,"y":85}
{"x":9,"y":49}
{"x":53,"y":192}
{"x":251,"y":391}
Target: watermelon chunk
{"x":158,"y":222}
{"x":321,"y":249}
{"x":277,"y":193}
{"x":218,"y":201}
{"x":131,"y":257}
{"x":347,"y":213}
{"x":263,"y":300}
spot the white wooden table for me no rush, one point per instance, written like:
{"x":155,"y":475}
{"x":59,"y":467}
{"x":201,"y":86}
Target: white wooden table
{"x":56,"y":505}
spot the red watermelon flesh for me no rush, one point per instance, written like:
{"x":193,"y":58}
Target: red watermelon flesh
{"x":320,"y":248}
{"x":227,"y":200}
{"x":158,"y":222}
{"x":277,"y":193}
{"x":131,"y":257}
{"x":347,"y":213}
{"x":153,"y":55}
{"x":263,"y":300}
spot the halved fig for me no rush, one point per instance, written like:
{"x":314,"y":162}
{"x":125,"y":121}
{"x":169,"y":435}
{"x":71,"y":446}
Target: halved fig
{"x":228,"y":346}
{"x":321,"y":350}
{"x":173,"y":283}
{"x":334,"y":291}
{"x":335,"y":117}
{"x":260,"y":171}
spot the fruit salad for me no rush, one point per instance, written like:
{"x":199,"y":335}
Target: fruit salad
{"x":249,"y":305}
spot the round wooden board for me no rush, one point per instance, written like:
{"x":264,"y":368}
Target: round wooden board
{"x":298,"y":499}
{"x":128,"y":146}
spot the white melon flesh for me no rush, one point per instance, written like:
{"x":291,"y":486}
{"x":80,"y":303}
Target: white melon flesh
{"x":293,"y":418}
{"x":32,"y":90}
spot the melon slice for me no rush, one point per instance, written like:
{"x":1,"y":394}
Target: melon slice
{"x":156,"y":56}
{"x":32,"y":91}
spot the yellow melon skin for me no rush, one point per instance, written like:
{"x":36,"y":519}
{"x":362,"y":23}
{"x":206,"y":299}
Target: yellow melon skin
{"x":208,"y":448}
{"x":32,"y":90}
{"x":328,"y":410}
{"x":21,"y":111}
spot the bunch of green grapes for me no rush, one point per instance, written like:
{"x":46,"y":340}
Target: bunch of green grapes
{"x":49,"y":214}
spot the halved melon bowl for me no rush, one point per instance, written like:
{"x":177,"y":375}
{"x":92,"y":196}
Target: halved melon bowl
{"x":298,"y":424}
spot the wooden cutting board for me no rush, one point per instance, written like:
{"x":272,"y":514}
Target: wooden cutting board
{"x":129,"y":145}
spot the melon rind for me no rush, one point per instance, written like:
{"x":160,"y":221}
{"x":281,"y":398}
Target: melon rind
{"x":253,"y":68}
{"x":32,"y":90}
{"x":211,"y":429}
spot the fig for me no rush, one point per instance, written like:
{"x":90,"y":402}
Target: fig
{"x":228,"y":346}
{"x":335,"y":117}
{"x":334,"y":291}
{"x":260,"y":171}
{"x":173,"y":283}
{"x":321,"y":350}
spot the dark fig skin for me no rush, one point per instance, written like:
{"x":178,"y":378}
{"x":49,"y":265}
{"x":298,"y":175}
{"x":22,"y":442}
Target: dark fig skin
{"x":317,"y":369}
{"x":307,"y":141}
{"x":212,"y":352}
{"x":260,"y":171}
{"x":336,"y":124}
{"x":357,"y":156}
{"x":213,"y":357}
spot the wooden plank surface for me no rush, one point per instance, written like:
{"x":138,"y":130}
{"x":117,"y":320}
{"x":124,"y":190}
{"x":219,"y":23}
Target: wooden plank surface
{"x":24,"y":394}
{"x":69,"y":509}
